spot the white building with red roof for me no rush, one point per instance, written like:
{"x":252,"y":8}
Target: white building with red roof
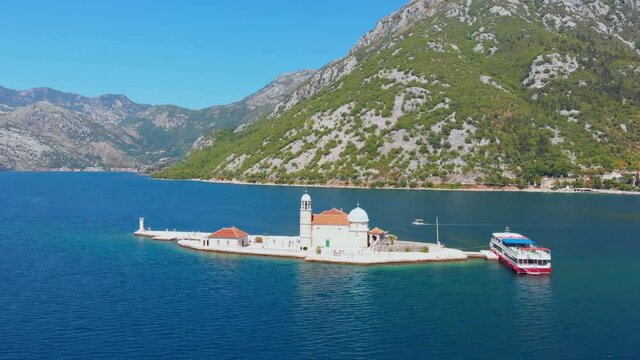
{"x":378,"y":236}
{"x":333,"y":228}
{"x":226,"y":237}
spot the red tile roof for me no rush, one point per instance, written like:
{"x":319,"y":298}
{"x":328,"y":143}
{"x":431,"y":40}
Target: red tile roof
{"x":229,"y":233}
{"x":330,"y":217}
{"x":377,"y":231}
{"x":333,"y":211}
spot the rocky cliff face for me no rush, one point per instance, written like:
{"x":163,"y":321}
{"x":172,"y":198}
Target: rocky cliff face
{"x":41,"y":134}
{"x":492,"y":91}
{"x":400,"y":20}
{"x":44,"y":128}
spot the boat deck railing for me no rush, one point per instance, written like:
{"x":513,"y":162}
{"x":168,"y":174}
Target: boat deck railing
{"x":528,"y":254}
{"x":533,"y":254}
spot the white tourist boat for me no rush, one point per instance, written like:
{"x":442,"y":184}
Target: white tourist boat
{"x":419,"y":222}
{"x":520,"y":253}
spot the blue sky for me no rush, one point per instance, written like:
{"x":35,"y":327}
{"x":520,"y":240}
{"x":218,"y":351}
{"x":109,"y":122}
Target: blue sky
{"x":188,"y":53}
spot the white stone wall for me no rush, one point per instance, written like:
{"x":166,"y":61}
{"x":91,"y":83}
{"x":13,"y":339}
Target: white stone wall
{"x":337,"y":235}
{"x":340,"y":237}
{"x":359,"y":235}
{"x":359,"y":239}
{"x":220,"y":243}
{"x":278,"y":242}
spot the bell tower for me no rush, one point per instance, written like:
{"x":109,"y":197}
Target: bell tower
{"x":305,"y":220}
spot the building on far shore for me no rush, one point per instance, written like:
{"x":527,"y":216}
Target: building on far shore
{"x":227,"y":237}
{"x":333,"y":228}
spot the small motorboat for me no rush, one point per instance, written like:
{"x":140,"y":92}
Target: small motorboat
{"x":419,"y":222}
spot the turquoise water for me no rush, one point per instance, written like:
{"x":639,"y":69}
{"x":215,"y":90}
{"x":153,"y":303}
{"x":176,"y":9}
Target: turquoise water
{"x":75,"y":283}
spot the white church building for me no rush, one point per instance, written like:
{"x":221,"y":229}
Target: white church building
{"x":333,"y":228}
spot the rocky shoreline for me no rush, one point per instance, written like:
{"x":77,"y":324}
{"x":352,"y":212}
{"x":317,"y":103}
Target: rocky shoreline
{"x":464,"y":187}
{"x":437,"y":187}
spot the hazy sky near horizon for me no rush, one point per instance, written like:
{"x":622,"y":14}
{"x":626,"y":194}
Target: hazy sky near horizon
{"x":188,"y":53}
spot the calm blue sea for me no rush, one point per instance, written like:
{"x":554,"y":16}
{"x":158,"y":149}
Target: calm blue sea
{"x":75,"y":282}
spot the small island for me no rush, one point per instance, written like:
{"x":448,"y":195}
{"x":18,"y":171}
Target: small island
{"x":332,"y":236}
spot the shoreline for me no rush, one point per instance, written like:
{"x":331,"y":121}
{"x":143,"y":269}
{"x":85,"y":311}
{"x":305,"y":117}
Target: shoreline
{"x":468,"y":188}
{"x":195,"y":241}
{"x":96,"y":170}
{"x":480,"y":188}
{"x":358,"y":259}
{"x":321,"y":260}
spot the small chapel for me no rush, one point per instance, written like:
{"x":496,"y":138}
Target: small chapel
{"x":333,"y":228}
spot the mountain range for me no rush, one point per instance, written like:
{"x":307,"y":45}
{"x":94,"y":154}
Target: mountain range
{"x":460,"y":91}
{"x":43,"y":128}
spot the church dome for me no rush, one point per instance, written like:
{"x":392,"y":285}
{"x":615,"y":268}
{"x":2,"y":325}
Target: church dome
{"x":305,"y":197}
{"x":358,"y":215}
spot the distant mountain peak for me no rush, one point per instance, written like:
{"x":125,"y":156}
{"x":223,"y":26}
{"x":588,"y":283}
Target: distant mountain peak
{"x":413,"y":12}
{"x":294,"y":74}
{"x":279,"y":88}
{"x":46,"y":128}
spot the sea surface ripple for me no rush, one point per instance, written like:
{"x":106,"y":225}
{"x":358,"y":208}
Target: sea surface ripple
{"x":75,"y":283}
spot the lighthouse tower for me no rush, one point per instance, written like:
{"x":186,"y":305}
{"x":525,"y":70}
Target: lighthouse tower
{"x":305,"y":220}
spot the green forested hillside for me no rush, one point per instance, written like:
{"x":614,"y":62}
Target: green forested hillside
{"x":495,"y":92}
